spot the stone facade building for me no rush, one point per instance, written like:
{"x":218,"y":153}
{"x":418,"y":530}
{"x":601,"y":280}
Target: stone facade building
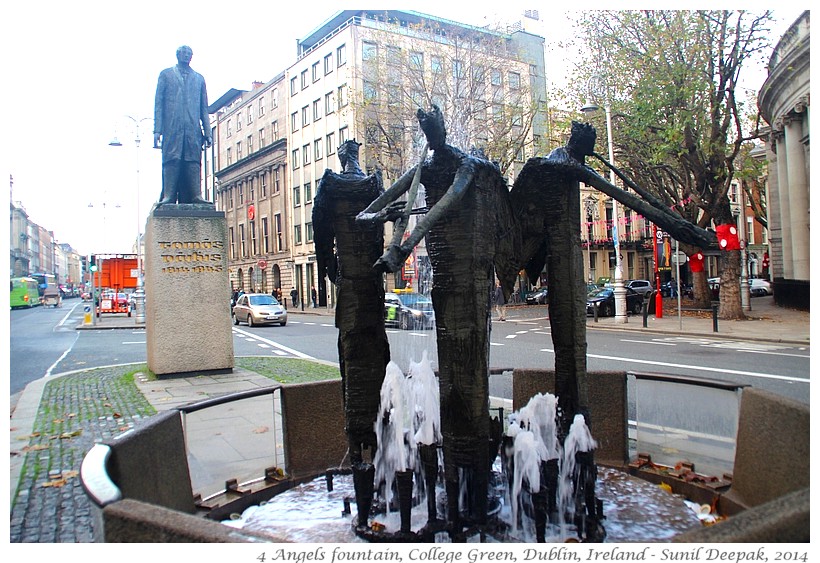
{"x":784,"y":102}
{"x":352,"y":79}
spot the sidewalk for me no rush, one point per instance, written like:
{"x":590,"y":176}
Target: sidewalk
{"x":54,"y":508}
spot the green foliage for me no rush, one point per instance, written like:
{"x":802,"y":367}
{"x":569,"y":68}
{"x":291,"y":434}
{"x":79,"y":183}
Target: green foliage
{"x":288,"y":370}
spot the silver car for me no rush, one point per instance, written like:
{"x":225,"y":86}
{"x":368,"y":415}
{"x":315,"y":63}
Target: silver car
{"x":259,"y":309}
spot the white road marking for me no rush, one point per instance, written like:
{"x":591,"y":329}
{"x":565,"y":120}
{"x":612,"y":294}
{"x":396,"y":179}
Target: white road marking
{"x":511,"y":336}
{"x":649,"y":342}
{"x":60,"y":359}
{"x":296,"y":353}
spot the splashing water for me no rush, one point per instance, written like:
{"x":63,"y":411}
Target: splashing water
{"x":408,"y":416}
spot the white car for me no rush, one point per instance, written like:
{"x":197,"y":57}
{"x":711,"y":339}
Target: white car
{"x":758,"y":287}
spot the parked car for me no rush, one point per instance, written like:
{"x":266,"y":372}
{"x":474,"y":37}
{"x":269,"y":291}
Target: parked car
{"x":758,"y":287}
{"x":639,"y":286}
{"x":604,"y":298}
{"x":259,"y":309}
{"x":408,"y":311}
{"x":537,"y":297}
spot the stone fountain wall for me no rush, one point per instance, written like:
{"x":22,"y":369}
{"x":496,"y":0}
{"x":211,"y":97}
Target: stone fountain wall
{"x":771,"y":472}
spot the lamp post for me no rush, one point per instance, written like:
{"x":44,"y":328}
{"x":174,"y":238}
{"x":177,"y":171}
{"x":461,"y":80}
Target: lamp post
{"x":139,"y":294}
{"x":591,"y":208}
{"x":598,"y":91}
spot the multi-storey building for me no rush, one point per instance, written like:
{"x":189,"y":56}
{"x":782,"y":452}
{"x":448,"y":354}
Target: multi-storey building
{"x":248,"y":180}
{"x":361,"y":75}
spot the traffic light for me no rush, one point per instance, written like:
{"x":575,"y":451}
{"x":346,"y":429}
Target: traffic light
{"x":93,"y":260}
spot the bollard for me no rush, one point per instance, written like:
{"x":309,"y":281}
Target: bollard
{"x":645,"y":312}
{"x":714,"y":317}
{"x":595,"y":312}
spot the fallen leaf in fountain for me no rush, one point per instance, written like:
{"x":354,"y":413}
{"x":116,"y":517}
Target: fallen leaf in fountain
{"x":377,"y":527}
{"x":666,"y":487}
{"x":35,"y":448}
{"x":261,"y":430}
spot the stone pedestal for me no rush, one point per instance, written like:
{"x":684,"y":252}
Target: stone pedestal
{"x":187,"y":290}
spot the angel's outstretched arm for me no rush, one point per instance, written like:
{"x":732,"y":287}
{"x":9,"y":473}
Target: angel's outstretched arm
{"x":395,"y":255}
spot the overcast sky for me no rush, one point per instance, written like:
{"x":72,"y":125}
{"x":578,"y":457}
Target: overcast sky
{"x":72,"y":71}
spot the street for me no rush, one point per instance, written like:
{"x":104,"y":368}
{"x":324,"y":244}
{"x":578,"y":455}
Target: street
{"x":44,"y":342}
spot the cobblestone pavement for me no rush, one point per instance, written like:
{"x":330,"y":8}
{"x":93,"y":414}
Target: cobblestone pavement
{"x":76,"y":411}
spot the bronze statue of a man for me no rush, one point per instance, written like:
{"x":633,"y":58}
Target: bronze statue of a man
{"x":181,"y":124}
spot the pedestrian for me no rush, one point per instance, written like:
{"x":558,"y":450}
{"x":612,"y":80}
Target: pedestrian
{"x":313,"y":296}
{"x":294,"y":296}
{"x":498,"y":301}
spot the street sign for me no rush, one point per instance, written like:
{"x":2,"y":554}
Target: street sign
{"x":679,"y":258}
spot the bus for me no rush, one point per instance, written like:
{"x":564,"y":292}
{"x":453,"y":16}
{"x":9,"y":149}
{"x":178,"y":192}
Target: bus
{"x":24,"y":293}
{"x":44,"y":281}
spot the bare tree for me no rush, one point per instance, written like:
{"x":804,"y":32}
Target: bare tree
{"x":475,"y":77}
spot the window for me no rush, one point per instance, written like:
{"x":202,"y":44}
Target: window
{"x":305,"y":116}
{"x":458,"y":69}
{"x":393,"y":56}
{"x":265,"y":236}
{"x":228,"y":126}
{"x":495,"y":77}
{"x":316,"y":189}
{"x":309,"y":232}
{"x":297,"y":196}
{"x":514,"y":80}
{"x":416,"y":61}
{"x":274,"y":127}
{"x":393,"y":95}
{"x":230,"y":198}
{"x":277,"y":223}
{"x":314,"y":71}
{"x":369,"y":51}
{"x":328,"y":63}
{"x":250,"y":114}
{"x":252,"y":227}
{"x":308,"y":193}
{"x":343,"y":134}
{"x":277,"y":181}
{"x":238,"y":122}
{"x":435,"y":64}
{"x":304,"y":79}
{"x":232,"y":248}
{"x":262,"y":105}
{"x":498,"y":112}
{"x":294,"y":121}
{"x":242,"y":253}
{"x":228,"y":156}
{"x":261,"y":138}
{"x":342,"y":95}
{"x":251,"y":191}
{"x":239,"y":151}
{"x":241,"y":193}
{"x":250,"y":143}
{"x":330,"y":144}
{"x":263,"y":185}
{"x":306,"y":154}
{"x":293,"y":86}
{"x":294,"y":161}
{"x":317,"y":150}
{"x":341,"y":55}
{"x":370,"y":93}
{"x":297,"y":234}
{"x":317,"y":110}
{"x":274,"y":98}
{"x":328,"y":103}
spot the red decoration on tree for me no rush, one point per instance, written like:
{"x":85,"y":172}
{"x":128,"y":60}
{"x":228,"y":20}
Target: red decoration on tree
{"x":696,"y":262}
{"x":765,"y":259}
{"x":727,"y":237}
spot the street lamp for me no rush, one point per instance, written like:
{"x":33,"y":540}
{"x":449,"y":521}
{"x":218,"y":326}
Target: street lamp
{"x":598,"y":91}
{"x":139,"y":294}
{"x":591,"y":208}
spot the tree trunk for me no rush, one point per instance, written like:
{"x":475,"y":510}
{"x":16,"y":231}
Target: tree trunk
{"x":702,"y":291}
{"x":730,"y":304}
